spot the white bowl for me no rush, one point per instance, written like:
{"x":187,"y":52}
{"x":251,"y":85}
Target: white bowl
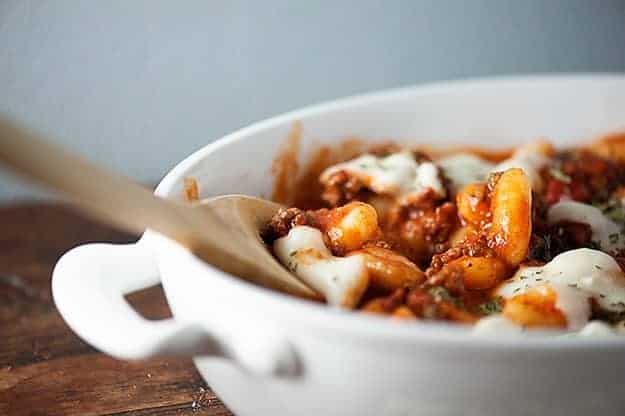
{"x":265,"y":353}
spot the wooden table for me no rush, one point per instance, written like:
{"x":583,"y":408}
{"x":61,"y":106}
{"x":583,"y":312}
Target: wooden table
{"x":44,"y":368}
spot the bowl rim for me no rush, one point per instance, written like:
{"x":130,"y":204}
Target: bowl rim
{"x":299,"y":311}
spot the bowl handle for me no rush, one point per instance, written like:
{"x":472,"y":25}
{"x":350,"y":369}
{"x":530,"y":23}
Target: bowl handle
{"x":89,"y":284}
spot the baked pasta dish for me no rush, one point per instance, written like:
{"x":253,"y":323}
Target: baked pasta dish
{"x":532,"y":238}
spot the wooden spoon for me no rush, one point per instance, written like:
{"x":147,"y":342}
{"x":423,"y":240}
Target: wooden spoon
{"x":223,"y":231}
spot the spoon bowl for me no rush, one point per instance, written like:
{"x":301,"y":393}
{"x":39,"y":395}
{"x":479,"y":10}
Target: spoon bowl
{"x":246,"y":216}
{"x":224,"y":231}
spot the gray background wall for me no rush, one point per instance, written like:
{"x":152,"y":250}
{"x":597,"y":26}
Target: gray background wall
{"x":140,"y":84}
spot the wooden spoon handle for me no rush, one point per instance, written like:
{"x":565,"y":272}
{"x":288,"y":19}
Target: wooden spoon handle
{"x":111,"y":197}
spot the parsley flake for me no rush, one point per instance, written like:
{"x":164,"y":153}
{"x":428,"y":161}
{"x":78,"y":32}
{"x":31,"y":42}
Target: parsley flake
{"x":614,"y":238}
{"x":559,"y":175}
{"x":492,"y":306}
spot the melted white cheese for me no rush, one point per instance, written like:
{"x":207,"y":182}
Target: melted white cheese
{"x":342,"y":280}
{"x":605,"y":232}
{"x":463,"y":169}
{"x":496,"y":325}
{"x":597,"y":329}
{"x":573,"y":303}
{"x":398,"y":175}
{"x":530,"y":162}
{"x":500,"y":325}
{"x":576,"y":276}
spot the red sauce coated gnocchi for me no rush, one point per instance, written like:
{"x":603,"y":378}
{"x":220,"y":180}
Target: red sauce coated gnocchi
{"x":439,"y":234}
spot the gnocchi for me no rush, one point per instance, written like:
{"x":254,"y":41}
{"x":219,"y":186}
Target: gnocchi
{"x":513,"y":240}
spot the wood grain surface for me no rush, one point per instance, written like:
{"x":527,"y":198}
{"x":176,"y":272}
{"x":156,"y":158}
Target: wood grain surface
{"x":47,"y":370}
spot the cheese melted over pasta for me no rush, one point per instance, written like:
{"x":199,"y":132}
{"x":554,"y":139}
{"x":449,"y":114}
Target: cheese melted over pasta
{"x":398,"y":175}
{"x":534,"y":240}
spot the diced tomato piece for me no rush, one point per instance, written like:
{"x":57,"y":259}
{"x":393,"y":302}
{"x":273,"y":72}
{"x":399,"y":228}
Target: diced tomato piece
{"x":555,"y":189}
{"x":579,"y":191}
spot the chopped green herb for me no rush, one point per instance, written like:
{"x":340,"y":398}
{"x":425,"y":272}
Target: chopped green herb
{"x":439,"y":293}
{"x":492,"y":306}
{"x":559,"y":175}
{"x":617,"y":215}
{"x":598,"y":267}
{"x":613,"y":209}
{"x":614,"y":238}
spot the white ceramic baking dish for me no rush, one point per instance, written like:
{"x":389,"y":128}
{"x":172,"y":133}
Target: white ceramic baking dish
{"x":265,"y":353}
